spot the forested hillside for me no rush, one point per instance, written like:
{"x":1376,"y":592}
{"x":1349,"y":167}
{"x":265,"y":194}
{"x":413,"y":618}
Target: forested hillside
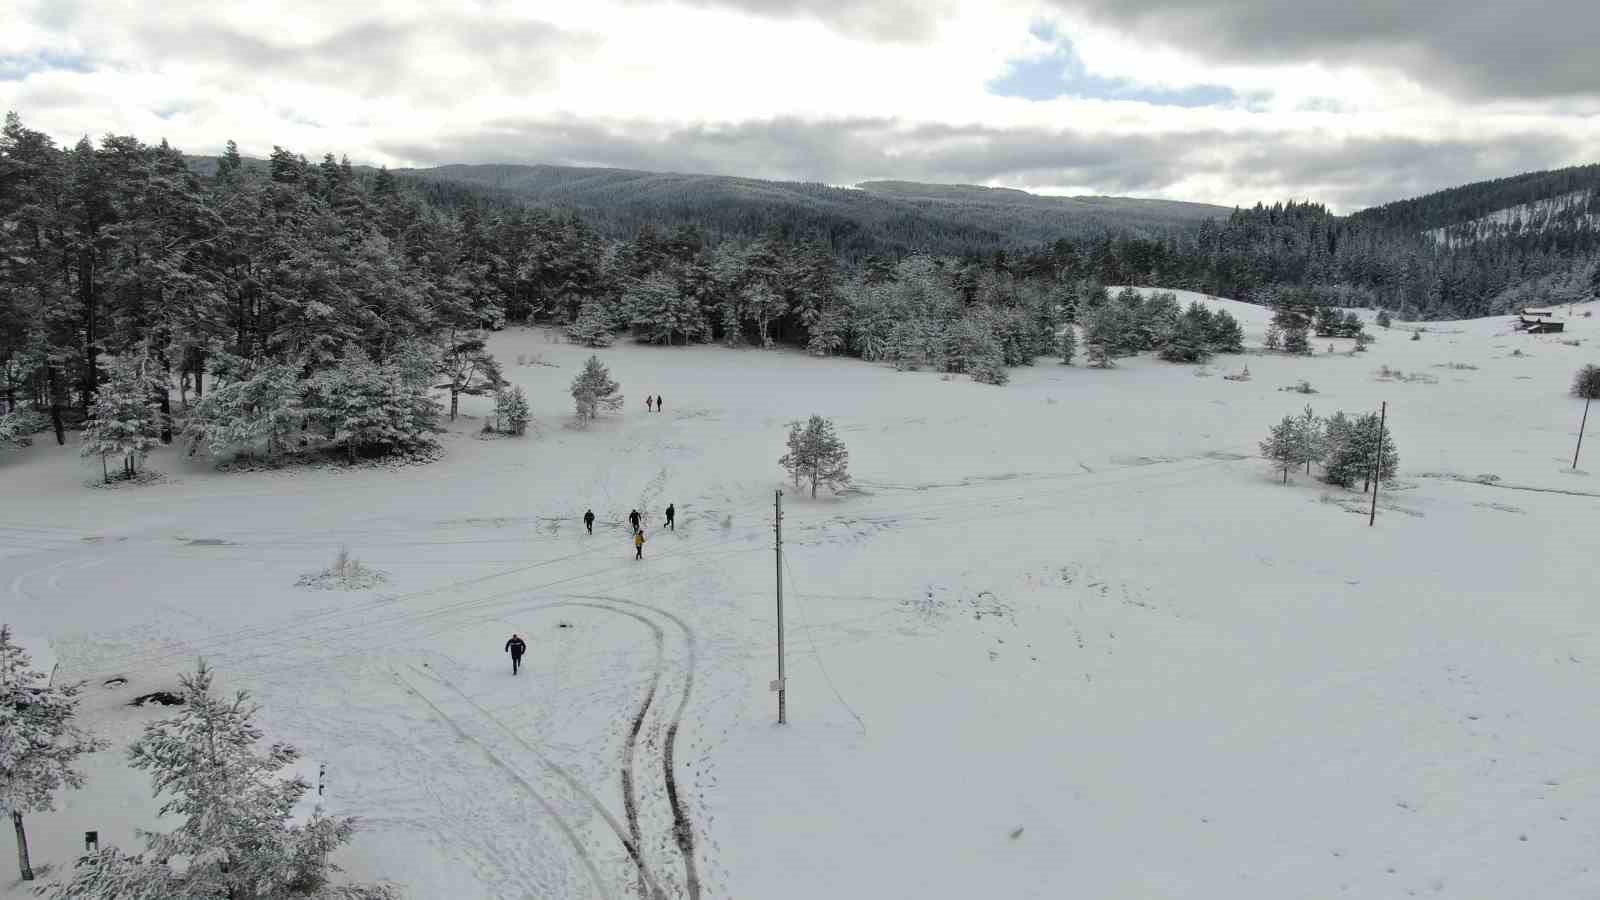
{"x":884,"y":217}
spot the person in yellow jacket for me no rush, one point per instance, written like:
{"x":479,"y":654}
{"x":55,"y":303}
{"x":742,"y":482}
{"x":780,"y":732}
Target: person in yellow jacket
{"x":638,"y":544}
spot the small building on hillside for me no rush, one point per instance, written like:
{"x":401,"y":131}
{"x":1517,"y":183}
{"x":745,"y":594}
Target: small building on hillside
{"x":1543,"y":326}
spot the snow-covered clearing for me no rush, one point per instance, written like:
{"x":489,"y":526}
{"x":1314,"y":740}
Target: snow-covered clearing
{"x":1095,"y":648}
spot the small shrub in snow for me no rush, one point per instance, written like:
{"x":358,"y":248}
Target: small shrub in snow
{"x":1067,"y":344}
{"x":347,"y":574}
{"x":1518,"y":353}
{"x":1383,"y":318}
{"x":1586,"y":384}
{"x":1303,"y":387}
{"x":1416,"y":335}
{"x":237,"y":838}
{"x":817,"y":455}
{"x":1242,"y":375}
{"x":39,"y":743}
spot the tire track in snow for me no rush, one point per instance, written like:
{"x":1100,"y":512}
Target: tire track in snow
{"x":653,"y":887}
{"x":682,"y":829}
{"x":550,"y":810}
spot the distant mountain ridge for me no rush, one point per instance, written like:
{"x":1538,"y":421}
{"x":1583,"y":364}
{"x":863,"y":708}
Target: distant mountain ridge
{"x":874,"y":217}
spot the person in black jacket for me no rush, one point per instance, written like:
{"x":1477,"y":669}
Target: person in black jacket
{"x":659,"y":407}
{"x":670,"y":524}
{"x":516,"y":648}
{"x":633,"y":519}
{"x":588,"y":520}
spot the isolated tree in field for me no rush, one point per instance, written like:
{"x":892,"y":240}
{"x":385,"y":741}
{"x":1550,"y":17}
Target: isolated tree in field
{"x":262,"y":407}
{"x":1586,"y":384}
{"x":124,"y":420}
{"x":236,"y":839}
{"x":1313,"y":438}
{"x":593,"y":390}
{"x":592,"y":327}
{"x":1283,"y":446}
{"x":817,"y":455}
{"x":468,"y":368}
{"x":39,"y":743}
{"x":1067,"y":344}
{"x":512,"y":411}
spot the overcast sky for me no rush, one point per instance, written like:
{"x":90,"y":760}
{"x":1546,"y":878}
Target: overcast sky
{"x":1351,"y":102}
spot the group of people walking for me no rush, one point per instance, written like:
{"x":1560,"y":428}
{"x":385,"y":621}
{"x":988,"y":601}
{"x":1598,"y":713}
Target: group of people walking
{"x":635,"y":523}
{"x":653,"y":404}
{"x":516,"y":646}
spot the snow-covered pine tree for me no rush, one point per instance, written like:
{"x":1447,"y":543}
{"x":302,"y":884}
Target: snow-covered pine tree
{"x":468,"y":368}
{"x":1326,"y":321}
{"x":826,"y":332}
{"x":1067,"y":343}
{"x":124,"y":420}
{"x":1282,"y":446}
{"x":512,"y":411}
{"x":971,"y":347}
{"x":236,"y":839}
{"x":593,"y":390}
{"x":1189,"y":341}
{"x":1586,"y":384}
{"x":592,"y":327}
{"x":372,"y":406}
{"x":908,"y":345}
{"x":39,"y":742}
{"x":1351,"y":325}
{"x":18,"y":427}
{"x":261,"y":407}
{"x":1353,"y":450}
{"x":1225,"y":335}
{"x":1384,"y":319}
{"x":1100,"y":337}
{"x":659,"y":312}
{"x":817,"y":455}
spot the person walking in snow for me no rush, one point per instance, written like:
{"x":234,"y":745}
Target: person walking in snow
{"x":516,"y":648}
{"x":638,"y":545}
{"x":588,"y":520}
{"x":633,"y":519}
{"x":670,"y":524}
{"x":659,"y":407}
{"x":648,"y":402}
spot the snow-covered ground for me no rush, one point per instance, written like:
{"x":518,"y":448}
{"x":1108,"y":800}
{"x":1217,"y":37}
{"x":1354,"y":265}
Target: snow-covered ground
{"x":1065,"y":638}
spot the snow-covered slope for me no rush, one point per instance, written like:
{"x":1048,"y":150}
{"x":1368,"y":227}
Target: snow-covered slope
{"x":1519,"y":219}
{"x":1063,"y":638}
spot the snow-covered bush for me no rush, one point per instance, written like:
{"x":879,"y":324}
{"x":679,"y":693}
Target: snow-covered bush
{"x":383,"y":407}
{"x":817,"y":455}
{"x":593,"y":326}
{"x":17,"y":428}
{"x":236,"y":837}
{"x":1586,"y":384}
{"x":39,"y":742}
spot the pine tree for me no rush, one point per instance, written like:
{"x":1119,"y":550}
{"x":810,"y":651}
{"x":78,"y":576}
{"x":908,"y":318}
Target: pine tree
{"x":1225,"y":335}
{"x":124,"y":420}
{"x":817,"y":455}
{"x":1100,"y":337}
{"x":594,"y":390}
{"x":237,"y":838}
{"x":512,"y":411}
{"x":1353,"y":451}
{"x":469,"y":369}
{"x":1067,"y":344}
{"x":592,"y":328}
{"x":1313,"y":439}
{"x":659,"y":312}
{"x":1283,"y":446}
{"x":1383,"y":318}
{"x":263,"y":406}
{"x":1189,"y":341}
{"x":39,"y":742}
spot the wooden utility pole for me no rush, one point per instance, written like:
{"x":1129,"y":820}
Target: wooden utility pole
{"x":777,"y":527}
{"x":1581,"y":426}
{"x":1377,"y":464}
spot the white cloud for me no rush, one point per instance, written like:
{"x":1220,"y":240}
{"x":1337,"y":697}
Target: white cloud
{"x":720,"y":84}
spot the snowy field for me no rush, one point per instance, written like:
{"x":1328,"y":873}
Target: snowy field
{"x":1069,"y":637}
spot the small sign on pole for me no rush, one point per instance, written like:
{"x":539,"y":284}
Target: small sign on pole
{"x":775,"y":685}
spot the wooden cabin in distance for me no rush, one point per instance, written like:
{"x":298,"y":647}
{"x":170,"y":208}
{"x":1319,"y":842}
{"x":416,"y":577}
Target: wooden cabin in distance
{"x":1539,"y":321}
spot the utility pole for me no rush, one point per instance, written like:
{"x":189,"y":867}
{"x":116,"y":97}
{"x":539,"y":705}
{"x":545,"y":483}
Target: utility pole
{"x":777,"y":527}
{"x":1377,"y":465}
{"x":1584,"y":424}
